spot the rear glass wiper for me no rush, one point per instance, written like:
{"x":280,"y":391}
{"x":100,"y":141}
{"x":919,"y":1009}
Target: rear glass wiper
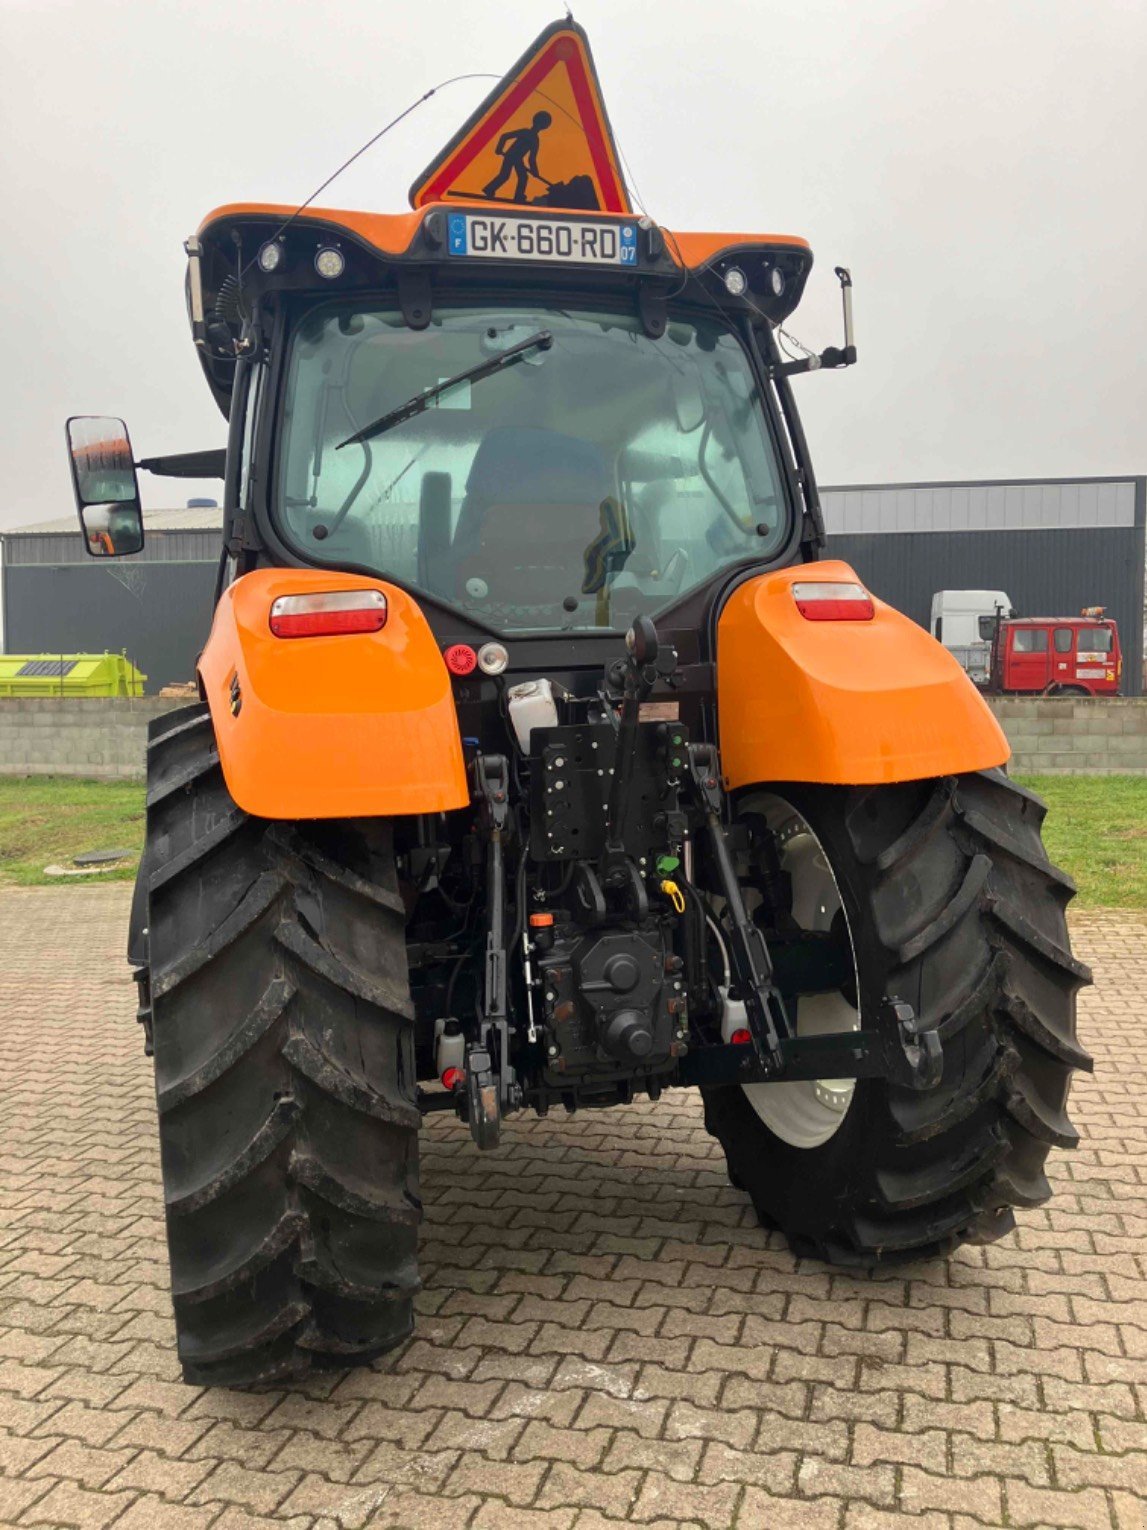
{"x":422,"y":401}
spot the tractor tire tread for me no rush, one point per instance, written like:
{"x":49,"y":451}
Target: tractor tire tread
{"x":284,"y":1076}
{"x":980,"y":948}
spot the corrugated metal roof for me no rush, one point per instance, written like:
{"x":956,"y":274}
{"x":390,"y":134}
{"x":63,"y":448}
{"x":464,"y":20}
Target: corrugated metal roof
{"x":1023,"y":505}
{"x":198,"y":518}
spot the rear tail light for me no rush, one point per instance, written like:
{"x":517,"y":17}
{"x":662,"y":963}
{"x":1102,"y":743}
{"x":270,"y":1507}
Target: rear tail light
{"x":834,"y":602}
{"x":460,"y":659}
{"x":329,"y":612}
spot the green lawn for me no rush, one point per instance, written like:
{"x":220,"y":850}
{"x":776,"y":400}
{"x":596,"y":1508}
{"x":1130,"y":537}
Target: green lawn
{"x":45,"y":820}
{"x":1096,"y":829}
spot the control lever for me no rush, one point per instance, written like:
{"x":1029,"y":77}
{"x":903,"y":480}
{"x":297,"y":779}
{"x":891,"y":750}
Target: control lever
{"x":646,"y":661}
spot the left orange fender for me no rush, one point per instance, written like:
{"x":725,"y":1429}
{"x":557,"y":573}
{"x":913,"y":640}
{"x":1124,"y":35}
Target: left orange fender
{"x":353,"y":725}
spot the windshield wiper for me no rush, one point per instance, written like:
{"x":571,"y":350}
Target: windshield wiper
{"x":421,"y":401}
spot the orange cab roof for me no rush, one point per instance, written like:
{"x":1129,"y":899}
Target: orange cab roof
{"x":393,"y":233}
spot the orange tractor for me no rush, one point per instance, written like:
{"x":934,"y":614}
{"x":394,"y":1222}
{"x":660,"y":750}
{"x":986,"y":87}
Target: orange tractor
{"x":543,"y":762}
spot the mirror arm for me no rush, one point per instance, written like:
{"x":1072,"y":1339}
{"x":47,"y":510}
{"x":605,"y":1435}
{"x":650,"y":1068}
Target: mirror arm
{"x":208,"y":464}
{"x":833,"y":356}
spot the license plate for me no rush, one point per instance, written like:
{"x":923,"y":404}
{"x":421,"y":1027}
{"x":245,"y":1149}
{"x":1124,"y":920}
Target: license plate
{"x":569,"y":240}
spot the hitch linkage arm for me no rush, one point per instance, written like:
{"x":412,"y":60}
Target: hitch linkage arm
{"x":748,"y":952}
{"x":491,"y":1087}
{"x":897,"y":1048}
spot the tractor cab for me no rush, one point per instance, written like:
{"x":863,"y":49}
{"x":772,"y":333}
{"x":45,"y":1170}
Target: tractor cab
{"x":541,"y":424}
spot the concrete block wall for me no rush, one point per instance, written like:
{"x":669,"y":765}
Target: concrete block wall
{"x":106,"y":738}
{"x":77,"y":736}
{"x":1065,"y":735}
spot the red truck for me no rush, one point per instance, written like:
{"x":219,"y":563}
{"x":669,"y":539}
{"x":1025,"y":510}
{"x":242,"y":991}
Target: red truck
{"x":1056,"y":655}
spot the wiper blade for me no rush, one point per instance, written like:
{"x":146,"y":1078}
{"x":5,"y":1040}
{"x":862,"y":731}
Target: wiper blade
{"x":422,"y":401}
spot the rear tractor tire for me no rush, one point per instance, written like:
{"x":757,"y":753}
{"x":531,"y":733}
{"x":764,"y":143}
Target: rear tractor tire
{"x":284,"y":1074}
{"x":950,"y":903}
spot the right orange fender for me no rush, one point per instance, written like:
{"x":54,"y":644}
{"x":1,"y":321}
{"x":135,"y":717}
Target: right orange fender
{"x":847,"y":703}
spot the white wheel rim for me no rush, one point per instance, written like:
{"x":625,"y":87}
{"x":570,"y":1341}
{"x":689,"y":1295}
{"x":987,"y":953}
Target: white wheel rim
{"x":805,"y":1114}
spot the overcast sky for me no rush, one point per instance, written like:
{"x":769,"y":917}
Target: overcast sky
{"x":979,"y":165}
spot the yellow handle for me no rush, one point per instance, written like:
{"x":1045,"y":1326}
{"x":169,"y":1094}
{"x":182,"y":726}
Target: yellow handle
{"x":675,"y":895}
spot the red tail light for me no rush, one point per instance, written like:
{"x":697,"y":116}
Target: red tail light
{"x":826,"y":602}
{"x":740,"y":1038}
{"x":460,"y":659}
{"x":328,"y":612}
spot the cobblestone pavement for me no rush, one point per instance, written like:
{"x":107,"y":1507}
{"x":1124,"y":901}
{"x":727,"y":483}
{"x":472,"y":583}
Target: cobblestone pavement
{"x":605,"y":1336}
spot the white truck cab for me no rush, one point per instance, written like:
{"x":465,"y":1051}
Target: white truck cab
{"x":962,"y":621}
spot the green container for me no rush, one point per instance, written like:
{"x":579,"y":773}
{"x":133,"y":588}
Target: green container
{"x":69,"y":674}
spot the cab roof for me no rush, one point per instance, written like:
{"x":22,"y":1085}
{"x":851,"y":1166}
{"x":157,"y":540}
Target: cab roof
{"x":394,"y":234}
{"x":414,"y":251}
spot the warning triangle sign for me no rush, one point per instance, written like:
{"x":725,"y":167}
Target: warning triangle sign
{"x":541,"y":138}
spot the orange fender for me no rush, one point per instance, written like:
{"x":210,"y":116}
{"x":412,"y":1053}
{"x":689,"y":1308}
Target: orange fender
{"x":847,"y":703}
{"x":353,"y":725}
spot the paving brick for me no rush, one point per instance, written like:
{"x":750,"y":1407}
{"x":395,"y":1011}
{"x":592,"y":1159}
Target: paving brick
{"x":17,"y":1497}
{"x":473,"y":1397}
{"x":612,"y":1493}
{"x":148,"y":1472}
{"x":72,"y":1506}
{"x":223,"y":1441}
{"x":495,"y":1438}
{"x":421,"y":1469}
{"x":85,"y":1464}
{"x":239,"y":1519}
{"x":1075,"y":1469}
{"x":406,"y":1427}
{"x":711,"y":1505}
{"x":678,"y":1459}
{"x":492,"y":1516}
{"x":645,"y":1418}
{"x":927,"y":1449}
{"x":775,"y":1471}
{"x":150,"y":1431}
{"x":921,"y":1490}
{"x":1083,"y":1510}
{"x":259,"y":1491}
{"x":531,"y":1370}
{"x":154,"y":1513}
{"x":759,"y":1509}
{"x":614,"y":1377}
{"x":862,"y":1516}
{"x":580,"y":1447}
{"x":516,"y":1482}
{"x":737,"y":1428}
{"x":339,"y":1460}
{"x":926,"y":1413}
{"x":91,"y":1425}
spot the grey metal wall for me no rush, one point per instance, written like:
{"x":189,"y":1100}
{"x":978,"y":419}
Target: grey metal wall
{"x":158,"y":613}
{"x":68,"y":547}
{"x":1055,"y":547}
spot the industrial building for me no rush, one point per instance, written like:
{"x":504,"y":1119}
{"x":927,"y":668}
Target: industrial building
{"x":1055,"y":545}
{"x":155,"y":605}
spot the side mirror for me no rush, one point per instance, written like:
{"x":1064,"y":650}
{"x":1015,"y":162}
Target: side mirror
{"x":106,"y":488}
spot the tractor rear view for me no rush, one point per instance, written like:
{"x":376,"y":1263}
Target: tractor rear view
{"x":542,"y":762}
